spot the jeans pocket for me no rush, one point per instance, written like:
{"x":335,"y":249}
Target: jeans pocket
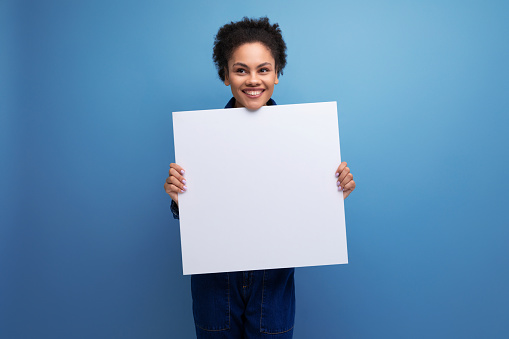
{"x":278,"y":301}
{"x":211,"y":301}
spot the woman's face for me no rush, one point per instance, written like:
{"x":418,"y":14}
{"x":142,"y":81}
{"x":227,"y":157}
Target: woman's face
{"x":251,"y":74}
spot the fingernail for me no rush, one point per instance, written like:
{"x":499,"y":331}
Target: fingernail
{"x":182,"y":171}
{"x":185,"y":188}
{"x":338,"y":183}
{"x":340,"y":188}
{"x":184,"y":181}
{"x":337,"y":174}
{"x":181,"y":191}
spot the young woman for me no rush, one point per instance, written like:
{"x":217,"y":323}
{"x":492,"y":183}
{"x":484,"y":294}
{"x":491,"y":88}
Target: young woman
{"x":250,"y":56}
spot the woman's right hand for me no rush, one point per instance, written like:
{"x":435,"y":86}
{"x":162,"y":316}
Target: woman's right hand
{"x":175,"y":183}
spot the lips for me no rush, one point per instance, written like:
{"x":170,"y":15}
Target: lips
{"x":253,"y":92}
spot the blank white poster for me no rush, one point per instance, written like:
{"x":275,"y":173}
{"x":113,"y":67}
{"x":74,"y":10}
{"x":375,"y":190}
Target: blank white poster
{"x":262,"y":189}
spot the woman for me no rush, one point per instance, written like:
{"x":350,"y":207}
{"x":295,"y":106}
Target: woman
{"x":250,"y":56}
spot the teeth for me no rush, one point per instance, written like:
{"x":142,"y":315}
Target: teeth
{"x":253,"y":92}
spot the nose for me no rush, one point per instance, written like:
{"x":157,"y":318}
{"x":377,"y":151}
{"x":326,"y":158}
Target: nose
{"x":253,"y":79}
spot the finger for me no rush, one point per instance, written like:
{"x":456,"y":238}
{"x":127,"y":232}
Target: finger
{"x":343,"y":183}
{"x":174,"y":173}
{"x":343,"y":174}
{"x":167,"y":188}
{"x":347,"y":179}
{"x":169,"y":182}
{"x":176,"y":189}
{"x":180,"y":185}
{"x":177,"y":168}
{"x":170,"y":188}
{"x":178,"y":177}
{"x":340,"y":168}
{"x":350,"y":186}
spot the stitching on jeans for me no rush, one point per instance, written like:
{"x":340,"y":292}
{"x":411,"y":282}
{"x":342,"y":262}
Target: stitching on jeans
{"x":261,"y":306}
{"x":206,"y":330}
{"x":288,"y":330}
{"x":229,"y":313}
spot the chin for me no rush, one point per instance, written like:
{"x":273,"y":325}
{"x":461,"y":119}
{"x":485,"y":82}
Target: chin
{"x":254,"y":105}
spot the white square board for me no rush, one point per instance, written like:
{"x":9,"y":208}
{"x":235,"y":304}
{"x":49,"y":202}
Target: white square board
{"x":261,"y":188}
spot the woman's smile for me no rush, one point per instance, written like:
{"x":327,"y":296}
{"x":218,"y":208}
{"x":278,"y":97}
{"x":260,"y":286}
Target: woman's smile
{"x":253,"y":93}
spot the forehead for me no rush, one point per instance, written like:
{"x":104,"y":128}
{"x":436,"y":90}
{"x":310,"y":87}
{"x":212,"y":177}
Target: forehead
{"x":252,"y":52}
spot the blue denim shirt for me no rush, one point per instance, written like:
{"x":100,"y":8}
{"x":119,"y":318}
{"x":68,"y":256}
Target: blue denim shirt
{"x":231,"y":104}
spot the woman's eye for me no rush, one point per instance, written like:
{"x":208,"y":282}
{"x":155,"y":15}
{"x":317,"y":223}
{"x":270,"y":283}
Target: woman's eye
{"x":264,"y":70}
{"x":240,"y":70}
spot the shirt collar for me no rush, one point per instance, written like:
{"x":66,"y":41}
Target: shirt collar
{"x":231,"y":103}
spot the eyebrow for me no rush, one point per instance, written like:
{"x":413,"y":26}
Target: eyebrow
{"x":246,"y":66}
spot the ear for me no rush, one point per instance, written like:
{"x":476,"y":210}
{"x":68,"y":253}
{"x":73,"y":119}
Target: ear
{"x":276,"y":81}
{"x":226,"y":78}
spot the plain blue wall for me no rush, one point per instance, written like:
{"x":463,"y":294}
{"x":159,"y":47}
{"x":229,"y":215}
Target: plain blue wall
{"x":88,"y":248}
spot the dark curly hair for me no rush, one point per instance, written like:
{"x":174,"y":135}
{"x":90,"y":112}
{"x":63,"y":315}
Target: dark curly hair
{"x":234,"y":34}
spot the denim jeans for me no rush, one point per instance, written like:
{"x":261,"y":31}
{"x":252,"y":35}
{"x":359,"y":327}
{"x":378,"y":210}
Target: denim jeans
{"x":254,"y":304}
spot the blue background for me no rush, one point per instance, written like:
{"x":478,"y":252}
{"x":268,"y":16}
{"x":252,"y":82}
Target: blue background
{"x":88,"y":247}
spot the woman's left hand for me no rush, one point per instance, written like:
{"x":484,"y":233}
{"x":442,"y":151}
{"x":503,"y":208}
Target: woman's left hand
{"x":345,"y":181}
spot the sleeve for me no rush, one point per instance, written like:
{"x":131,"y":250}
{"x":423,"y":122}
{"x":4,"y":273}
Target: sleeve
{"x":174,"y":209}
